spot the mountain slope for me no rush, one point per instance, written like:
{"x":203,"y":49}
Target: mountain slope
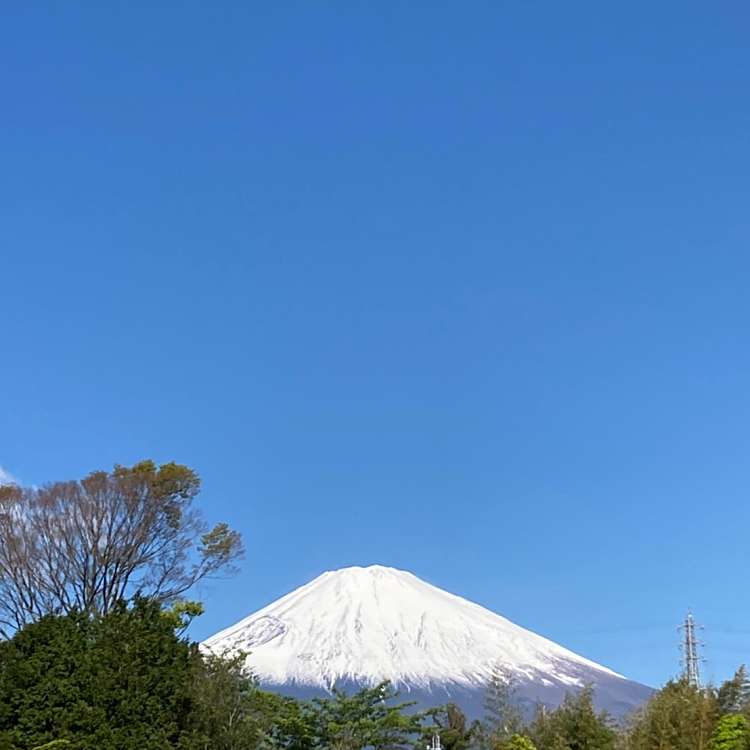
{"x":358,"y":626}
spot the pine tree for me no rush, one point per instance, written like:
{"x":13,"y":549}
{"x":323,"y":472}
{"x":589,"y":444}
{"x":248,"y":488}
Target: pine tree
{"x":734,"y":695}
{"x":502,"y":718}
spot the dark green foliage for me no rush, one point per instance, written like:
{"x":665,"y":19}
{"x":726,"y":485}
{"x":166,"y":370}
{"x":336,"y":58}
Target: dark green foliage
{"x":230,"y":711}
{"x":365,"y":719}
{"x":293,"y":725}
{"x":450,"y":723}
{"x":121,"y":682}
{"x":126,"y":681}
{"x":574,"y":725}
{"x":45,"y":682}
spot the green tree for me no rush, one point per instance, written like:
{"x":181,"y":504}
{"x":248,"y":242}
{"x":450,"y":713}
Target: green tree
{"x":680,"y":716}
{"x":733,"y":695}
{"x":230,"y":711}
{"x":502,"y":718}
{"x":293,"y":725}
{"x":45,"y":682}
{"x":119,"y":682}
{"x":141,"y":677}
{"x":367,"y":718}
{"x":519,"y":742}
{"x":574,"y":725}
{"x":731,"y":733}
{"x":450,"y":723}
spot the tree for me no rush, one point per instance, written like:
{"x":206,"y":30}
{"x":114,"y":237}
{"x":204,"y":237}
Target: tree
{"x":230,"y":712}
{"x":117,"y":682}
{"x":85,"y":545}
{"x":367,"y":718}
{"x":127,"y":681}
{"x":519,"y":742}
{"x":502,"y":718}
{"x":680,"y":717}
{"x":573,"y":725}
{"x":450,"y":723}
{"x":734,"y":695}
{"x":293,"y":725}
{"x":731,"y":733}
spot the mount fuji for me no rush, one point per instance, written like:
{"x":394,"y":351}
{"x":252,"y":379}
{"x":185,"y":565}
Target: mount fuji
{"x":356,"y":627}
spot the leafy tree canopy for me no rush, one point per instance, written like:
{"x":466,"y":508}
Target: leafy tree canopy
{"x":85,"y":545}
{"x":120,"y":682}
{"x":731,"y":733}
{"x":368,"y":718}
{"x":450,"y":723}
{"x":680,"y":717}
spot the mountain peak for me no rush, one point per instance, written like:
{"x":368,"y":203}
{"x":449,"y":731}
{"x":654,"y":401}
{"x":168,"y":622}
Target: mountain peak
{"x":367,"y":624}
{"x":367,"y":570}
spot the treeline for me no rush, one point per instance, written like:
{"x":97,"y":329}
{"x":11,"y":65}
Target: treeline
{"x":128,"y":680}
{"x":95,"y":656}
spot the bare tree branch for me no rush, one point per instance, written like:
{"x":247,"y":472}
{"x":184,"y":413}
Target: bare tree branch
{"x":87,"y":544}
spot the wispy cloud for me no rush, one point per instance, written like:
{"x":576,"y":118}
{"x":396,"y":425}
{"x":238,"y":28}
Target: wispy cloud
{"x":6,"y":477}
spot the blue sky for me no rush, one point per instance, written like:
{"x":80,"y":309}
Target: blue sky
{"x":455,"y":287}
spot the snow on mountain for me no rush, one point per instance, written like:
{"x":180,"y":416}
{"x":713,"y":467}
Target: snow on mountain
{"x":359,"y":626}
{"x":6,"y":478}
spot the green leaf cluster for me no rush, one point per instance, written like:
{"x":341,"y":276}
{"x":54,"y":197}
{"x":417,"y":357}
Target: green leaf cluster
{"x":120,"y":682}
{"x":519,"y":742}
{"x":731,"y":733}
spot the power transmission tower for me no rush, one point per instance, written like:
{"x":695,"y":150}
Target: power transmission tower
{"x":689,"y":647}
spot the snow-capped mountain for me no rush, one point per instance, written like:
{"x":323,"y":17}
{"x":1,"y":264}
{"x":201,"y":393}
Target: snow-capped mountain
{"x":359,"y":626}
{"x":6,"y":478}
